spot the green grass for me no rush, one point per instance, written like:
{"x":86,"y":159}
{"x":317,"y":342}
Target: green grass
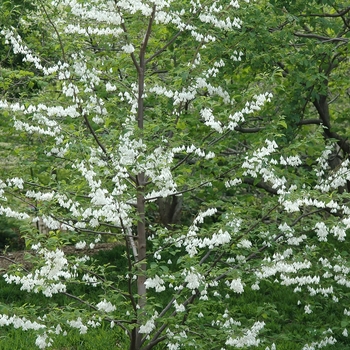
{"x":101,"y":338}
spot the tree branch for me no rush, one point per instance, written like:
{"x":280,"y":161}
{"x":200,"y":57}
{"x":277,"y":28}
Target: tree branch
{"x":338,"y":14}
{"x":132,"y":54}
{"x":119,"y":322}
{"x":249,"y":130}
{"x":320,"y":37}
{"x":260,"y":184}
{"x":92,"y":131}
{"x":163,"y":48}
{"x":314,"y":121}
{"x":147,"y":35}
{"x":56,"y":31}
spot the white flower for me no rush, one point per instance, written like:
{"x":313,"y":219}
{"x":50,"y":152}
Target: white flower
{"x":90,"y":280}
{"x":209,"y":120}
{"x":173,"y":346}
{"x":157,"y":283}
{"x":255,"y":286}
{"x":128,"y":48}
{"x":79,"y":325}
{"x":249,"y":338}
{"x":236,"y":285}
{"x":148,"y":327}
{"x":273,"y":347}
{"x":179,"y":307}
{"x":307,"y":309}
{"x":244,"y":243}
{"x":321,"y":231}
{"x":110,"y":87}
{"x":42,"y":341}
{"x":192,"y":280}
{"x":36,"y":246}
{"x":80,"y":245}
{"x":231,"y":183}
{"x":106,"y":306}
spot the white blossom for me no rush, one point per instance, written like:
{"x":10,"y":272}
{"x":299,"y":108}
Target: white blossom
{"x":179,"y":307}
{"x":106,"y":306}
{"x":79,"y":325}
{"x":321,"y":231}
{"x":192,"y":279}
{"x":80,"y":245}
{"x":128,"y":48}
{"x":149,"y":326}
{"x":307,"y":309}
{"x":157,"y":283}
{"x":209,"y":120}
{"x":43,"y":341}
{"x":244,"y":243}
{"x":249,"y":338}
{"x":236,"y":285}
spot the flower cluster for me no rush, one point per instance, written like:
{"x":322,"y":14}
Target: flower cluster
{"x":320,"y":344}
{"x":236,"y":285}
{"x":192,"y":242}
{"x":106,"y":306}
{"x":335,"y":179}
{"x":249,"y":338}
{"x":157,"y":283}
{"x":149,"y":326}
{"x":48,"y":278}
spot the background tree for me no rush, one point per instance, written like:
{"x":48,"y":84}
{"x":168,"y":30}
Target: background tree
{"x":148,"y":110}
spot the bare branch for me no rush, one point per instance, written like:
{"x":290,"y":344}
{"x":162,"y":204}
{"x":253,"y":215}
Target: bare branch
{"x":147,"y":36}
{"x":260,"y":184}
{"x":92,"y":131}
{"x":249,"y":130}
{"x":322,"y":38}
{"x":310,"y":121}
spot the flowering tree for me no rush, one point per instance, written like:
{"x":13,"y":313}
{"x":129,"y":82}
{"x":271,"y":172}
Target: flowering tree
{"x":147,"y":141}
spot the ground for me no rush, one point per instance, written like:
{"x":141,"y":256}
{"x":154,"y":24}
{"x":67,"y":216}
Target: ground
{"x":18,"y":257}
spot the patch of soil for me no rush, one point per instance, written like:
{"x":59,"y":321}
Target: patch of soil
{"x":17,"y":257}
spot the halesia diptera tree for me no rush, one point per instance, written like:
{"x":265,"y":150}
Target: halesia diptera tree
{"x":133,"y":126}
